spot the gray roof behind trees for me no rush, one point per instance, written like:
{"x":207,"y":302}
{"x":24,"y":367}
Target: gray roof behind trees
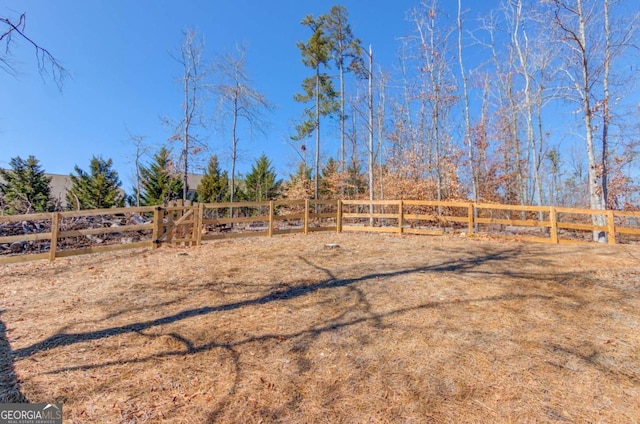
{"x":61,"y":183}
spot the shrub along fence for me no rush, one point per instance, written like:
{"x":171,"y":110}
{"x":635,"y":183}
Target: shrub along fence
{"x":61,"y":234}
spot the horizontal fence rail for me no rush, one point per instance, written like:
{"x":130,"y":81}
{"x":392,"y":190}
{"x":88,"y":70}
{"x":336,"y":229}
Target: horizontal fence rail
{"x":62,"y":234}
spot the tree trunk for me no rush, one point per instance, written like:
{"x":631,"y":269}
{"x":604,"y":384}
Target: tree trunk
{"x":517,"y":154}
{"x":185,"y":147}
{"x":317,"y":159}
{"x":435,"y":114}
{"x":371,"y":134}
{"x":467,"y":119}
{"x":595,"y":189}
{"x":524,"y":65}
{"x":380,"y":116}
{"x":342,"y":123}
{"x":234,"y":146}
{"x":605,"y":108}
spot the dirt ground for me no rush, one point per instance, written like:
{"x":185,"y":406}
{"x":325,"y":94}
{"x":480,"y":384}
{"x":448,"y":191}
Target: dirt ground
{"x":381,"y":328}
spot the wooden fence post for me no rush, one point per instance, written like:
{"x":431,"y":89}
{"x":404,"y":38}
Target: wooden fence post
{"x":553,"y":218}
{"x":400,"y":216}
{"x":182,"y":229}
{"x":470,"y":217}
{"x":55,"y":225}
{"x":178,"y":214}
{"x":170,"y":219}
{"x":158,"y":217}
{"x":271,"y":213}
{"x":230,"y":214}
{"x":197,"y":226}
{"x":339,"y":216}
{"x":306,"y":216}
{"x":611,"y":228}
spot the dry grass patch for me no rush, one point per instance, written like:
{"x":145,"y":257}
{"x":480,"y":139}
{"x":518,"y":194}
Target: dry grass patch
{"x":381,"y":329}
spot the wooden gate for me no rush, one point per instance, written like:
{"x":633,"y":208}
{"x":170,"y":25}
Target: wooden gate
{"x":181,"y":224}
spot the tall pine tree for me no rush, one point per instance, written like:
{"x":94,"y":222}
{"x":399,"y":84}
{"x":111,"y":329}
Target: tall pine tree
{"x":346,"y":51}
{"x":97,"y":189}
{"x":159,"y":181}
{"x":214,"y":186}
{"x":316,"y":53}
{"x":25,"y":188}
{"x":261,"y":183}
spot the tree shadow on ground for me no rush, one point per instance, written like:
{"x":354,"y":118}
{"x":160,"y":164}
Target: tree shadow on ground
{"x":303,"y":337}
{"x":283,"y":294}
{"x":9,"y":386}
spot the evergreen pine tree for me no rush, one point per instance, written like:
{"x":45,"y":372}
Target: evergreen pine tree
{"x":316,"y":53}
{"x":330,"y":180}
{"x":214,"y":186}
{"x":356,"y":184}
{"x":97,"y":189}
{"x":347,"y":52}
{"x":158,"y":181}
{"x":304,"y":173}
{"x":261,"y":183}
{"x":25,"y":188}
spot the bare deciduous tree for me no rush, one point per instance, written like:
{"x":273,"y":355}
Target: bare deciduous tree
{"x":240,"y":101}
{"x":437,"y":92}
{"x":574,"y":20}
{"x":192,"y":80}
{"x":140,"y":150}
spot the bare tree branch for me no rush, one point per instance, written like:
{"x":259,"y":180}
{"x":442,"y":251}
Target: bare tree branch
{"x":47,"y":63}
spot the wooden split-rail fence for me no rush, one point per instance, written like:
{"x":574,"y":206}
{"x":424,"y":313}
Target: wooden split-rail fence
{"x":62,"y":234}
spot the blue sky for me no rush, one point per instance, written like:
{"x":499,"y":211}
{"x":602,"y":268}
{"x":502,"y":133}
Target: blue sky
{"x":124,"y":78}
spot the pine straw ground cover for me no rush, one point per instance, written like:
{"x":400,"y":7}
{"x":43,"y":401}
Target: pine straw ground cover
{"x":383,"y":328}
